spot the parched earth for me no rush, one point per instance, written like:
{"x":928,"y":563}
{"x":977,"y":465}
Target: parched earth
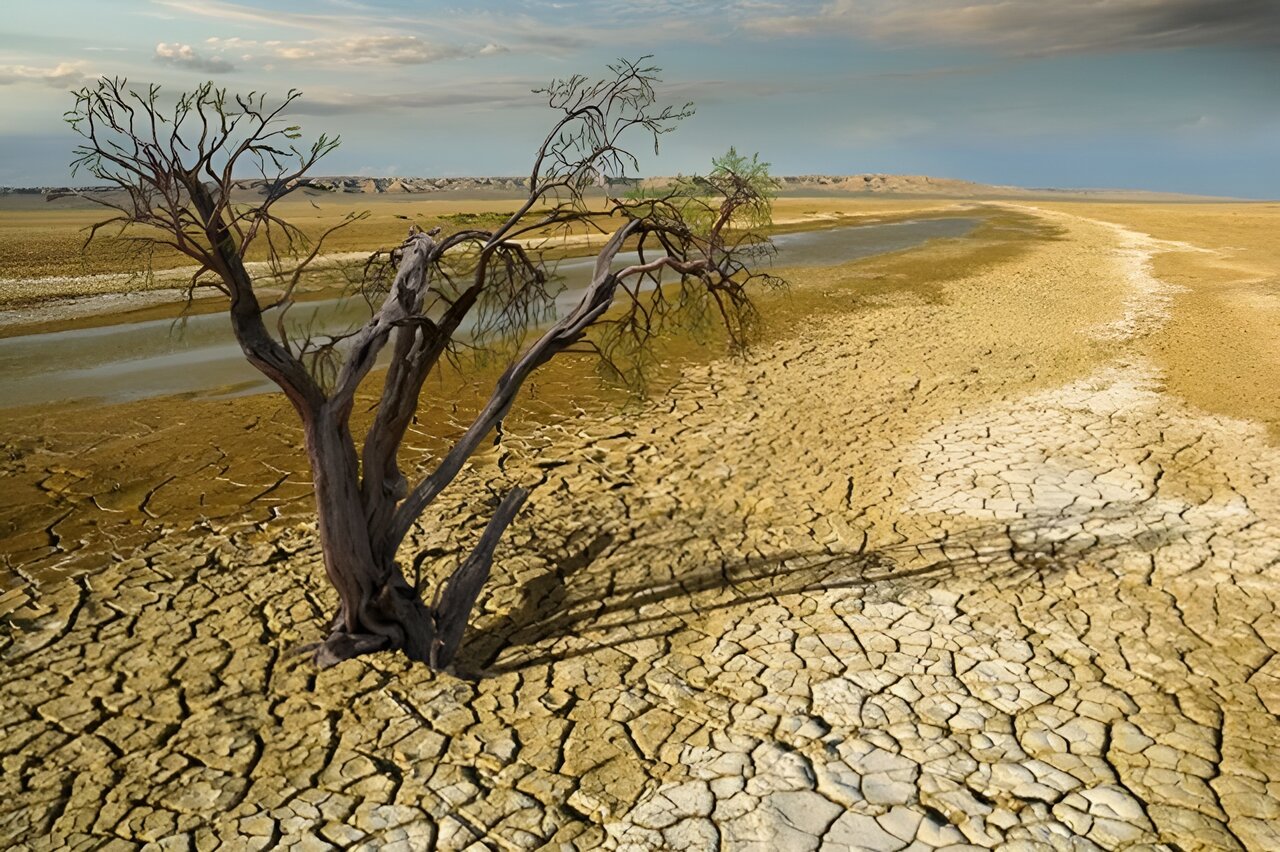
{"x":933,"y":573}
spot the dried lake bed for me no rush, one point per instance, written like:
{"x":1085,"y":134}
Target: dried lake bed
{"x":130,"y":359}
{"x":978,"y":548}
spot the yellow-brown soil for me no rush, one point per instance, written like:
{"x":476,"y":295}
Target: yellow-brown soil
{"x":951,"y":558}
{"x":87,"y":481}
{"x":1219,"y":348}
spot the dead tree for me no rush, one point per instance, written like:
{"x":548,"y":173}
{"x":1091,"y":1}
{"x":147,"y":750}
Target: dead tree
{"x":177,"y":178}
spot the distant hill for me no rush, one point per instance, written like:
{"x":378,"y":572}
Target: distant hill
{"x":791,"y":185}
{"x":923,"y":185}
{"x":865,"y":184}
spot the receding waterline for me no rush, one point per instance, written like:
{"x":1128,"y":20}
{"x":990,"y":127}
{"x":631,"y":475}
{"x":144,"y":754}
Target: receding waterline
{"x":198,"y":355}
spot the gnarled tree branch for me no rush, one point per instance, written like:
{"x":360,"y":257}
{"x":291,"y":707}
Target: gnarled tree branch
{"x":178,"y":175}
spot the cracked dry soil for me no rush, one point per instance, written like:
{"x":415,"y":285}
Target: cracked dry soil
{"x":946,"y":571}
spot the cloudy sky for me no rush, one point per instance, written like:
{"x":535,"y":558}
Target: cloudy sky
{"x":1177,"y":95}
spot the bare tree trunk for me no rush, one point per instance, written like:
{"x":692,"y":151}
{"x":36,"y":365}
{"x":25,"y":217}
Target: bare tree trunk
{"x":378,"y":609}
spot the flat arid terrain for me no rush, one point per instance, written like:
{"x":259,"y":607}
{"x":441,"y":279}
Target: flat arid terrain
{"x":977,"y":547}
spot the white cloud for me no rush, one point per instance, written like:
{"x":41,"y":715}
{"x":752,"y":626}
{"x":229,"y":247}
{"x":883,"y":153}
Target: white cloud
{"x":216,"y":43}
{"x":241,"y":14}
{"x":395,"y":50}
{"x":355,"y":50}
{"x":61,"y":76}
{"x":186,"y":56}
{"x":508,"y":30}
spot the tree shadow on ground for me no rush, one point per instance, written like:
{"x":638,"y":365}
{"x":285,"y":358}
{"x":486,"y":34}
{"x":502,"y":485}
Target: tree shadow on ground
{"x":564,"y":603}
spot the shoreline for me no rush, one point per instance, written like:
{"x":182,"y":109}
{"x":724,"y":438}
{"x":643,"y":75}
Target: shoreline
{"x":80,"y":300}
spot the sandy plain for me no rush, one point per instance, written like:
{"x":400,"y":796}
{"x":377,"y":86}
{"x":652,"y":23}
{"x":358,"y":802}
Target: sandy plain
{"x":977,"y":548}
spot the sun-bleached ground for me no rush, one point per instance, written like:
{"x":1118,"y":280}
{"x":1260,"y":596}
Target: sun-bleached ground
{"x":957,"y":561}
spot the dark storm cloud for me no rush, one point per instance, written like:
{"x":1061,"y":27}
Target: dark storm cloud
{"x":1040,"y":27}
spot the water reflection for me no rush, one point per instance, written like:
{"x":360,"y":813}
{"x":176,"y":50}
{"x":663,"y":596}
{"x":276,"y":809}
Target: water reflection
{"x":139,"y":360}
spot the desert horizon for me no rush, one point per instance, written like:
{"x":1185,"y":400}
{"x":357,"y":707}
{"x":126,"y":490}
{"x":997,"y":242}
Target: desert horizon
{"x":466,"y":187}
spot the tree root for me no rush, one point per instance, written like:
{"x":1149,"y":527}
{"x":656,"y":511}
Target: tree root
{"x":342,"y":646}
{"x":401,"y":620}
